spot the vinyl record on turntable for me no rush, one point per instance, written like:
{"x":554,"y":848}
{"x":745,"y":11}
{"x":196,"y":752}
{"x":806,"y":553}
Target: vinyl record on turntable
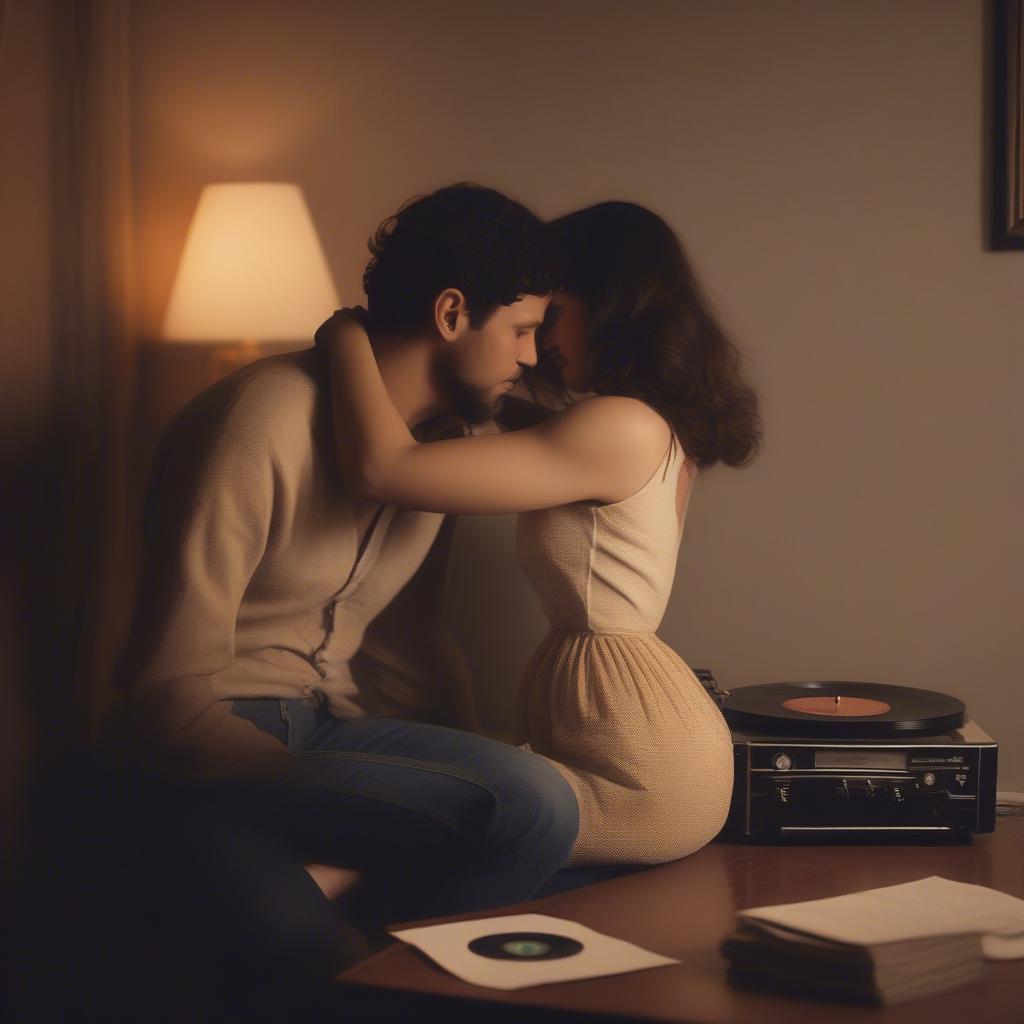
{"x":841,"y":709}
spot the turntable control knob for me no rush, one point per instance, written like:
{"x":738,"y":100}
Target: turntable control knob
{"x":783,"y":762}
{"x":928,"y":778}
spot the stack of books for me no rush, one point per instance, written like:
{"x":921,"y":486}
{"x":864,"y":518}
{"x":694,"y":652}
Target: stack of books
{"x":880,"y":946}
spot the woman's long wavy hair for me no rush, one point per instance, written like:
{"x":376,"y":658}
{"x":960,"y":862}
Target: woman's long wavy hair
{"x":652,"y":334}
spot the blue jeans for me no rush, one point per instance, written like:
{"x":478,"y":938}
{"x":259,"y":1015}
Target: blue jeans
{"x":483,"y":823}
{"x":440,"y":821}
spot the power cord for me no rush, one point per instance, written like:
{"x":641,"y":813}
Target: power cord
{"x":1009,"y":805}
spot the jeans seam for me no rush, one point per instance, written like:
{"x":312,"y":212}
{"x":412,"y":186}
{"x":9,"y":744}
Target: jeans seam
{"x":406,"y":762}
{"x":286,"y":717}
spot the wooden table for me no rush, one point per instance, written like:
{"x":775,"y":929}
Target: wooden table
{"x":682,"y":910}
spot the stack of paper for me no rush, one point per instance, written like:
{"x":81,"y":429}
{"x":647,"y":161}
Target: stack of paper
{"x":883,"y":945}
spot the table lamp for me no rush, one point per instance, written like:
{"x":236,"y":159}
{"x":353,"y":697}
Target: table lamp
{"x":252,"y":271}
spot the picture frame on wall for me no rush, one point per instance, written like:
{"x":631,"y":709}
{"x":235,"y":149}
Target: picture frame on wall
{"x":1008,"y":148}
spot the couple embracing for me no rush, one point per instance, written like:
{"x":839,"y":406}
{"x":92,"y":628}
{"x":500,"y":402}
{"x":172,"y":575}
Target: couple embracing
{"x":292,"y":680}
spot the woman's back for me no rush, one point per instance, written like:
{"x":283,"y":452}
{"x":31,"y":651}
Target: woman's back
{"x":610,"y":567}
{"x":617,"y":711}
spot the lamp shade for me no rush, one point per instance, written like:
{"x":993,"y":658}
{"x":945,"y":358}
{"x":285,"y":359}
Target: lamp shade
{"x":253,"y":268}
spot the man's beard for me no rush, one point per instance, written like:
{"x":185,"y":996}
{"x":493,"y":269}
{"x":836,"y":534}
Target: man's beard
{"x":469,"y":403}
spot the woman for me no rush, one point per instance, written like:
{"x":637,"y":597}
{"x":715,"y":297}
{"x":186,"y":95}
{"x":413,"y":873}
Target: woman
{"x":602,"y":487}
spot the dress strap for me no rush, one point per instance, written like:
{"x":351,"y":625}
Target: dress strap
{"x":673,"y":440}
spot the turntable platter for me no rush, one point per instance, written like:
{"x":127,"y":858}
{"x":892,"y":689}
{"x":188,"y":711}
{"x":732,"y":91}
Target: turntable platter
{"x":841,"y":709}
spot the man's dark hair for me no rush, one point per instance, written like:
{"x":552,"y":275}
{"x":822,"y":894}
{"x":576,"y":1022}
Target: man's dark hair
{"x":463,"y":236}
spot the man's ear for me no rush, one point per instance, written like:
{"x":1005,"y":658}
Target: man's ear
{"x":451,"y":314}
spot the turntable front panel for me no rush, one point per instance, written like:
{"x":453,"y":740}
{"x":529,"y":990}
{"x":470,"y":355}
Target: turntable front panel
{"x":937,"y":784}
{"x":841,"y":758}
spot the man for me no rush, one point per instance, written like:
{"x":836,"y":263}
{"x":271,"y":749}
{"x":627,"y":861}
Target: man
{"x":287,"y":639}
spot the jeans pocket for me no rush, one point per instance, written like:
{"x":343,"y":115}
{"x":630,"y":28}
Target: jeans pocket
{"x":301,"y":716}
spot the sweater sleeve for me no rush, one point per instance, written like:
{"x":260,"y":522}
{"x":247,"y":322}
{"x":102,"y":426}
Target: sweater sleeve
{"x":206,"y":523}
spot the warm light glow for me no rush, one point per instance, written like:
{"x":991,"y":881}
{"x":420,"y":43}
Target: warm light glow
{"x":253,"y":268}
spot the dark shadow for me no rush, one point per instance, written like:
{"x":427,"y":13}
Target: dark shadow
{"x":995,"y":140}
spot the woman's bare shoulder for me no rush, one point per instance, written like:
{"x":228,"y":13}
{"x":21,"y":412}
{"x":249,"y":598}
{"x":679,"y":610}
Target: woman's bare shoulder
{"x":622,"y":438}
{"x":625,"y":423}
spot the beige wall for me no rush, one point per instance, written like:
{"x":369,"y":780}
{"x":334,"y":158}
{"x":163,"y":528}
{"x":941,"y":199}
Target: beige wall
{"x":823,"y":163}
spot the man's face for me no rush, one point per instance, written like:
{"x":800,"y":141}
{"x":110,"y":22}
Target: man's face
{"x":478,"y":368}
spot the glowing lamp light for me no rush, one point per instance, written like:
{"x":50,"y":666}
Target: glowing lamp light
{"x":252,"y":270}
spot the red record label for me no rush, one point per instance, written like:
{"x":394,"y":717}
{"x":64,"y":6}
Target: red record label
{"x":840,"y":706}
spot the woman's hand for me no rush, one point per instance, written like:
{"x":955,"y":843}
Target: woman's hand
{"x":346,"y":318}
{"x":369,"y":432}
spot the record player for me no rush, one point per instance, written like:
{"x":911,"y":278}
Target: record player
{"x":840,"y":759}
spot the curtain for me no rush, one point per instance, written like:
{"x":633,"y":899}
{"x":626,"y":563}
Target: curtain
{"x":68,"y":542}
{"x":95,"y":337}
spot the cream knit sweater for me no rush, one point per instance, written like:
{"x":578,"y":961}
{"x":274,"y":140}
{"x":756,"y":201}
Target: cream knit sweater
{"x":260,"y":577}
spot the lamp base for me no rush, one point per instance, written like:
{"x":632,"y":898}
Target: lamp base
{"x":226,"y":359}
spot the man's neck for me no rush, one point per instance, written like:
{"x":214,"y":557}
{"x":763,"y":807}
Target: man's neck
{"x":405,"y":363}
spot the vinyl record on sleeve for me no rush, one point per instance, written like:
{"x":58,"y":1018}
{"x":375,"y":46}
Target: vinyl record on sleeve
{"x":841,"y":710}
{"x":529,"y":946}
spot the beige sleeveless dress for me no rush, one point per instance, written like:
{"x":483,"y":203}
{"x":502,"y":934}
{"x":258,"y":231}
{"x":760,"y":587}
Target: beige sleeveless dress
{"x":616,"y":710}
